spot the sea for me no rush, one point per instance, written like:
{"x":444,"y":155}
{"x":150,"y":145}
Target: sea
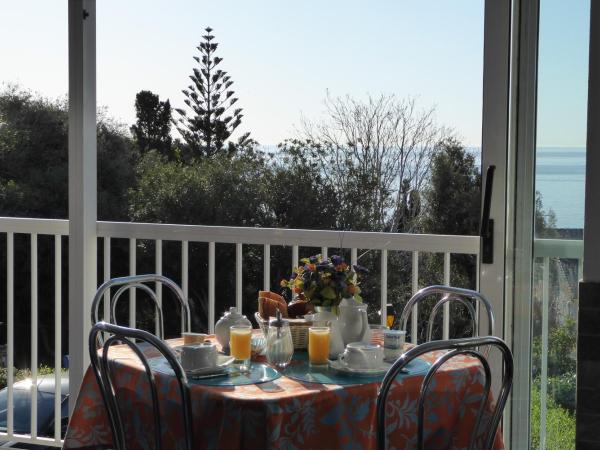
{"x":560,"y":179}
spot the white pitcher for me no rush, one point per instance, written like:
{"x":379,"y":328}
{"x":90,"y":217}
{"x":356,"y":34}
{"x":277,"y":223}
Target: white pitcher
{"x":353,"y":321}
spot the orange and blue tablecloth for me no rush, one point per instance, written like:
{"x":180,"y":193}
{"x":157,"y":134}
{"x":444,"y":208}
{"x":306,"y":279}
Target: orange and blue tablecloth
{"x":284,"y":413}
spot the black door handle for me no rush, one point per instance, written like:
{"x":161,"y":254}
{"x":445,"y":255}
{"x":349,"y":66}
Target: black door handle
{"x":486,"y":230}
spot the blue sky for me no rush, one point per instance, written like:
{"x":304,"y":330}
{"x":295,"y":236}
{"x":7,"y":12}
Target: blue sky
{"x":283,"y":56}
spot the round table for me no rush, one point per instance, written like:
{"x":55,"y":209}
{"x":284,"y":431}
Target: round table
{"x":284,"y":413}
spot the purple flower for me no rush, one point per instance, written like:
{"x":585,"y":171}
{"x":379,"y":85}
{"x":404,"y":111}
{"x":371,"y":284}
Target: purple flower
{"x":337,"y":260}
{"x":313,"y":259}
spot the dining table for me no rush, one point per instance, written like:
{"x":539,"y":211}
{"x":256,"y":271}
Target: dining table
{"x":290,"y":410}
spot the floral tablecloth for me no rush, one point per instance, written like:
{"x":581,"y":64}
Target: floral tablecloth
{"x":282,"y":414}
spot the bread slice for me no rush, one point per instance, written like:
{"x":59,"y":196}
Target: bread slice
{"x":269,"y":303}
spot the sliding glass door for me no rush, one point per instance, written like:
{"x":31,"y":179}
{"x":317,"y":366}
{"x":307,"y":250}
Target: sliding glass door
{"x":547,"y":210}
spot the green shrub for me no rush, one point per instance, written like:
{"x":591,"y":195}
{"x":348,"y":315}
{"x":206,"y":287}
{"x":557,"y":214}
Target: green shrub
{"x":563,"y":390}
{"x":562,"y":341}
{"x":560,"y":423}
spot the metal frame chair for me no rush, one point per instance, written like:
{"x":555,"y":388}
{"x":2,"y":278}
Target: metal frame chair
{"x":449,"y":294}
{"x":102,"y":371}
{"x":455,"y":347}
{"x":137,"y":282}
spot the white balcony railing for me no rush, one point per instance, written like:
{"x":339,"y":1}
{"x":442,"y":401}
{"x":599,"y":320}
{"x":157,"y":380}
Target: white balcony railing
{"x":415,"y":244}
{"x":185,"y":234}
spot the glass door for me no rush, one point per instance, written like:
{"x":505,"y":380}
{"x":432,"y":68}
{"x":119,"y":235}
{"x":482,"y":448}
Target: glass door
{"x":548,"y":170}
{"x":558,"y":220}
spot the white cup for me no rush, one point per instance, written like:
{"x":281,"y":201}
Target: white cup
{"x":198,"y":356}
{"x":360,"y":355}
{"x":393,"y":343}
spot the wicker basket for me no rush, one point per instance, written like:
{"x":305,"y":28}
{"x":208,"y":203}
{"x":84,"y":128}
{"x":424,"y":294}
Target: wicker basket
{"x":298,"y":327}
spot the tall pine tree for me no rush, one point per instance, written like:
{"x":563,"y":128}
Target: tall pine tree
{"x":208,"y":127}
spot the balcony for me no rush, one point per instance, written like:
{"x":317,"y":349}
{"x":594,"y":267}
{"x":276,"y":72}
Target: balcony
{"x":50,"y":268}
{"x":137,"y":238}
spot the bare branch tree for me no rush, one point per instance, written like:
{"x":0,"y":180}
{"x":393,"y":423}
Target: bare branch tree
{"x":377,"y":153}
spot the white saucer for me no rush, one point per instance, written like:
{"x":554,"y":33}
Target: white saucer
{"x":222,"y":362}
{"x":342,"y":367}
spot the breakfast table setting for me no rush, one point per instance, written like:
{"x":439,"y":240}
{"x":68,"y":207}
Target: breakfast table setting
{"x":307,"y":377}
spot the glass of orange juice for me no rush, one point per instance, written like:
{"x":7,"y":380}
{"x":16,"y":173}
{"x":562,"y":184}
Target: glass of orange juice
{"x":240,"y":345}
{"x":318,"y":346}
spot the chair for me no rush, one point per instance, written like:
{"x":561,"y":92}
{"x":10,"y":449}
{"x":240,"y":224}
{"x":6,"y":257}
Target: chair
{"x":137,"y":282}
{"x":450,"y":294}
{"x":455,"y":347}
{"x":102,"y":371}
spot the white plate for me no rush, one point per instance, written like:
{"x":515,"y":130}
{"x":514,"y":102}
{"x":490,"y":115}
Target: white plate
{"x":222,"y":362}
{"x":343,"y":368}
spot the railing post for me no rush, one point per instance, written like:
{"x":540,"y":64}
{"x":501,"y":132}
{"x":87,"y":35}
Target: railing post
{"x":82,"y":184}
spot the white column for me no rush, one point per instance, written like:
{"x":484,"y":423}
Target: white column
{"x":496,"y":64}
{"x":495,"y":128}
{"x":82,"y":184}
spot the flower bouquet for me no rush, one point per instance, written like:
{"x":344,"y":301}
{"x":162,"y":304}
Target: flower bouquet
{"x":325,"y":282}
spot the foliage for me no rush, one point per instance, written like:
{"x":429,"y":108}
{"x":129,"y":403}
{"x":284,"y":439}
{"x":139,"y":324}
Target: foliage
{"x":452,"y":202}
{"x":563,"y":389}
{"x":374,"y":152}
{"x":299,"y":194}
{"x":153,"y":123}
{"x":21,"y":374}
{"x":210,"y":99}
{"x":174,"y":192}
{"x":562,"y":340}
{"x":453,"y":195}
{"x":560,"y":423}
{"x":325,"y":282}
{"x":33,"y":156}
{"x":545,"y":220}
{"x":117,"y":159}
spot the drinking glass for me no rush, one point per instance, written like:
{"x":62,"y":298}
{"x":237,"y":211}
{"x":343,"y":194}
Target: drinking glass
{"x":391,"y":315}
{"x":240,"y":345}
{"x":318,"y":346}
{"x":377,"y":333}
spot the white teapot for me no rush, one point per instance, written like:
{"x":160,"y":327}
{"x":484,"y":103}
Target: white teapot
{"x":233,"y":317}
{"x":353,"y":321}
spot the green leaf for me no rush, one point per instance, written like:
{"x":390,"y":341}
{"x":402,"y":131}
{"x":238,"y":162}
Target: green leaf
{"x":329,"y":293}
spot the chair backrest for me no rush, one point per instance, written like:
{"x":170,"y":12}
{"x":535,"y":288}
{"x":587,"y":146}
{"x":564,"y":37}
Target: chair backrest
{"x":138,"y":282}
{"x":102,"y":370}
{"x":449,"y":294}
{"x":454,"y":347}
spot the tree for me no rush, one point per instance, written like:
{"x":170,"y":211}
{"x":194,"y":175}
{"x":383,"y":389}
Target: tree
{"x":375,"y":152}
{"x":34,"y":183}
{"x":210,"y":98}
{"x":453,"y":197}
{"x":153,"y":125}
{"x":33,"y":159}
{"x":299,"y":194}
{"x":545,"y":219}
